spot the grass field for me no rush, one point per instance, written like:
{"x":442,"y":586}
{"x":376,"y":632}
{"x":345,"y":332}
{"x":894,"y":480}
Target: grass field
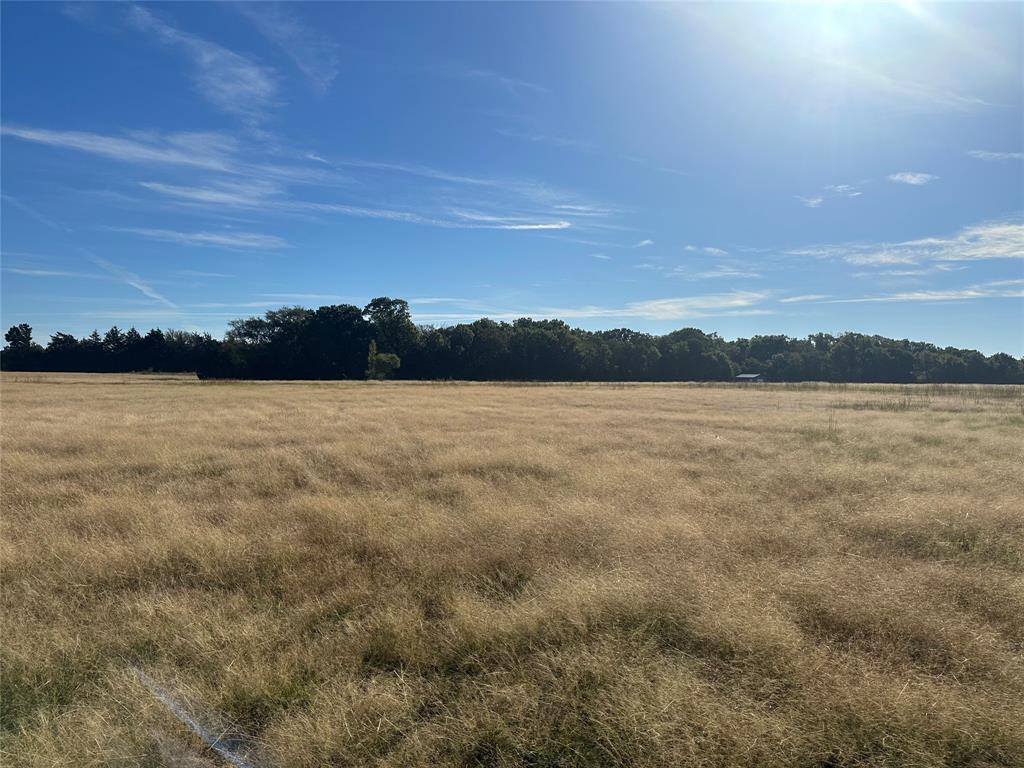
{"x":362,"y":574}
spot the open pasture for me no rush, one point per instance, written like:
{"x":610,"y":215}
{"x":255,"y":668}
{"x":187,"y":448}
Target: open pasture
{"x":400,"y":574}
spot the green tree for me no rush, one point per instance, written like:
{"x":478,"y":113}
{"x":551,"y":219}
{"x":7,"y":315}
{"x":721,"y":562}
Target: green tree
{"x":392,"y":324}
{"x":19,"y":337}
{"x":380,"y":365}
{"x":21,"y":353}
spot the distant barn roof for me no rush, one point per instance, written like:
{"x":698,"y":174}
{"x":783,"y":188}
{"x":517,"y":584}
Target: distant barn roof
{"x":749,"y":376}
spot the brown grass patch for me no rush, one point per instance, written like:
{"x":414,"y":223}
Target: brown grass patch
{"x":359,"y":574}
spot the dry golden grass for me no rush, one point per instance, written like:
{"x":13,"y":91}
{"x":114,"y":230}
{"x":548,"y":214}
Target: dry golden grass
{"x":355,"y":574}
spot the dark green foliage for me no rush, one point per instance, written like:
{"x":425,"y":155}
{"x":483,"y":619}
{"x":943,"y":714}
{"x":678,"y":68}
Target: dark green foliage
{"x":21,"y":353}
{"x":380,"y":365}
{"x":332,"y":342}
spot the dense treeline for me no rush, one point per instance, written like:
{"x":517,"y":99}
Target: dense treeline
{"x":380,"y":340}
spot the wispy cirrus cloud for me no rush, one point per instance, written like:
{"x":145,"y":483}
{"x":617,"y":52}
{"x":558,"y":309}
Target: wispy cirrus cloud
{"x":584,"y":146}
{"x":737,"y":303}
{"x":423,"y":171}
{"x":198,"y":150}
{"x":513,"y":85}
{"x":991,"y":240}
{"x":331,"y":297}
{"x":249,"y":200}
{"x":997,"y":289}
{"x":461,"y":220}
{"x":600,"y":243}
{"x":804,"y":297}
{"x":902,"y":89}
{"x":829,"y":191}
{"x":847,"y":190}
{"x":515,"y":192}
{"x":229,"y":81}
{"x":914,"y":272}
{"x":209,"y":151}
{"x":680,"y":308}
{"x":725,"y":271}
{"x":984,"y":154}
{"x":200,"y":273}
{"x":312,"y":53}
{"x":232,"y":240}
{"x":130,"y":278}
{"x":267,"y":196}
{"x":240,"y":194}
{"x":34,"y":272}
{"x":33,"y":213}
{"x":544,"y":138}
{"x":913,"y":178}
{"x":507,"y":222}
{"x":253,"y":184}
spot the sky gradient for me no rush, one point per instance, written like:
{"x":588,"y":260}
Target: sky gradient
{"x":744,"y":169}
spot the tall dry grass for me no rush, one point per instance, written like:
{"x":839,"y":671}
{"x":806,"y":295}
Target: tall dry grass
{"x":352,"y":574}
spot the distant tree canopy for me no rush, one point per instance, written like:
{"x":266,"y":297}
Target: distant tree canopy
{"x":380,"y":340}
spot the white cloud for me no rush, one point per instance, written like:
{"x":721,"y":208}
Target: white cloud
{"x":465,"y":219}
{"x":539,"y":225}
{"x":439,"y":300}
{"x":269,"y":196}
{"x":83,"y":12}
{"x":540,"y":138}
{"x":333,"y":297}
{"x":918,"y":272}
{"x":200,"y":273}
{"x":513,"y":85}
{"x":133,"y":280}
{"x":242,"y":240}
{"x":737,"y":273}
{"x":30,"y":272}
{"x":583,"y":210}
{"x":199,"y":150}
{"x":204,"y":150}
{"x":912,"y":178}
{"x":984,"y":154}
{"x":846,"y":190}
{"x":514,"y":204}
{"x":32,"y":212}
{"x":229,"y":81}
{"x":644,"y":243}
{"x":241,"y":194}
{"x":491,"y":221}
{"x":903,"y":90}
{"x":314,"y":55}
{"x":1000,"y":289}
{"x":830,"y":191}
{"x":991,"y":240}
{"x":804,"y":297}
{"x":885,"y":255}
{"x":602,"y":256}
{"x":737,"y":302}
{"x":715,"y":251}
{"x":584,"y":146}
{"x":417,"y":170}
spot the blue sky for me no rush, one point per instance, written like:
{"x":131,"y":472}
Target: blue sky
{"x":740,"y":168}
